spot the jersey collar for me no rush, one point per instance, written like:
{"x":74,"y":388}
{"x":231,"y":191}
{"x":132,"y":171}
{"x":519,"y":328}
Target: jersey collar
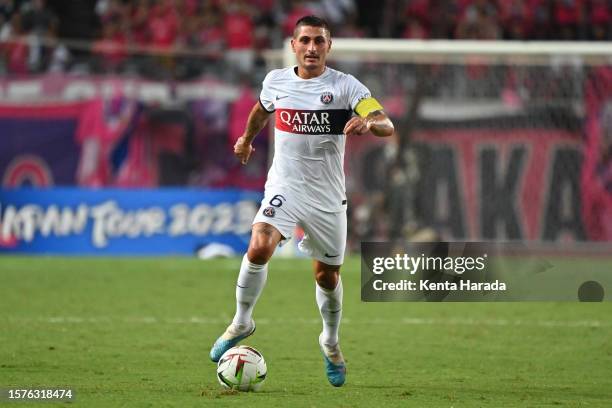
{"x":323,"y":75}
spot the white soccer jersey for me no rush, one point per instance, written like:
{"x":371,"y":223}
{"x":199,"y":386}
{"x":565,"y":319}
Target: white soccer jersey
{"x":309,"y":143}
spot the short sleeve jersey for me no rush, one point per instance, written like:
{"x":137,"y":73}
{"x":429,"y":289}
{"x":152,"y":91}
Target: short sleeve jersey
{"x":310,"y":115}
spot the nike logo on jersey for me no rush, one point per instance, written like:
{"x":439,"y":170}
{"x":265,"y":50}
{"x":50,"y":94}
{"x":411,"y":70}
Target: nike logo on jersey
{"x":281,"y":97}
{"x":331,"y":256}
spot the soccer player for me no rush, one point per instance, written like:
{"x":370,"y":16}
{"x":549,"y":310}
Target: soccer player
{"x":313,"y":105}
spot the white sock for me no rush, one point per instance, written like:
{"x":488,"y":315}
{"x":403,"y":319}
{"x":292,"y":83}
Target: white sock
{"x":251,"y":281}
{"x":330,"y":307}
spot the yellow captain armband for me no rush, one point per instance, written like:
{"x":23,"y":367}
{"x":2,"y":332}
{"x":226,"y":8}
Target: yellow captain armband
{"x":366,"y":106}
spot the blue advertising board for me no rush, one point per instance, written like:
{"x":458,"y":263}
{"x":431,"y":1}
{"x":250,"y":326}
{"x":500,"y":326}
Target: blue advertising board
{"x":124,"y":222}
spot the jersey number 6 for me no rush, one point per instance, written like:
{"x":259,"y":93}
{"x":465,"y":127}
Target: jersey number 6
{"x":277,"y":200}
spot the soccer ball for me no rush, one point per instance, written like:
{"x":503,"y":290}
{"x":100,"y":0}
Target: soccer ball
{"x":242,"y":368}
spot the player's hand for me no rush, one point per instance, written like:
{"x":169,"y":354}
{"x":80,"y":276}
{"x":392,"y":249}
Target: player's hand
{"x":356,"y":126}
{"x":243,"y":149}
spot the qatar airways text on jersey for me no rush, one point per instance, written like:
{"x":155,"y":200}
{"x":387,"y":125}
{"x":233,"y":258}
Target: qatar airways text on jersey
{"x":312,"y":122}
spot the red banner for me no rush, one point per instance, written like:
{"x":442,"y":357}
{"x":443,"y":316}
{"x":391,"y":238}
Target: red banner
{"x":479,"y":184}
{"x":513,"y":184}
{"x":597,"y":169}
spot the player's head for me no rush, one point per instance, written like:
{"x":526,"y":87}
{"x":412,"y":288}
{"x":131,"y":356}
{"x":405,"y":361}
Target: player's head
{"x":311,"y":43}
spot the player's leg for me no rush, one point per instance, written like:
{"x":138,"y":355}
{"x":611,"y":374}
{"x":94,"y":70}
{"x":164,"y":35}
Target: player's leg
{"x":274,"y":222}
{"x":329,"y":299}
{"x":329,"y":294}
{"x":325,"y":241}
{"x":254,"y":271}
{"x":251,"y":281}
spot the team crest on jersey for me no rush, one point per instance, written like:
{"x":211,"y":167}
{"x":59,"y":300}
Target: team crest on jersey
{"x":269,"y":211}
{"x":327,"y":97}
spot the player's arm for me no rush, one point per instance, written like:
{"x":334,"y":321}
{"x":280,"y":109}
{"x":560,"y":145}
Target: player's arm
{"x":371,"y":118}
{"x":255,"y":123}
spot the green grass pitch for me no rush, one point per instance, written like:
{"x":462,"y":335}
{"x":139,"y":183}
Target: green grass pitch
{"x":136,"y":332}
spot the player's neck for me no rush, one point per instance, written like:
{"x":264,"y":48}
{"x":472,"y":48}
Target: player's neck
{"x":309,"y":74}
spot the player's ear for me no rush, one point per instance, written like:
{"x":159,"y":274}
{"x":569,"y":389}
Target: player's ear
{"x":329,"y":42}
{"x":293,"y":44}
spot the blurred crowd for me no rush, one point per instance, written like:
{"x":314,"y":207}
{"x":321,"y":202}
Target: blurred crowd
{"x":188,"y":38}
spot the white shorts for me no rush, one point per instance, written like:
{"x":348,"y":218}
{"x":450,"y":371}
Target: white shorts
{"x":324,"y":232}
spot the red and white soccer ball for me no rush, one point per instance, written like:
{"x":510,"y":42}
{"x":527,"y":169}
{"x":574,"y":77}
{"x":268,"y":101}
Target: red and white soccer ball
{"x":242,"y":368}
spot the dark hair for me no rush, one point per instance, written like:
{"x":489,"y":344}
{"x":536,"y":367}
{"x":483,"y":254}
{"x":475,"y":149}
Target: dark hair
{"x":312,"y":21}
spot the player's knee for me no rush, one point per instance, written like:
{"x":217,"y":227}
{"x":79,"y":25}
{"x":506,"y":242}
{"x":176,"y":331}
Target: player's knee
{"x":327,"y":279}
{"x":264,"y":240}
{"x":259,"y":252}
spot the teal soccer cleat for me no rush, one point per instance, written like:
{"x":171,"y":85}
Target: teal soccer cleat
{"x":335,"y":368}
{"x":229,"y":339}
